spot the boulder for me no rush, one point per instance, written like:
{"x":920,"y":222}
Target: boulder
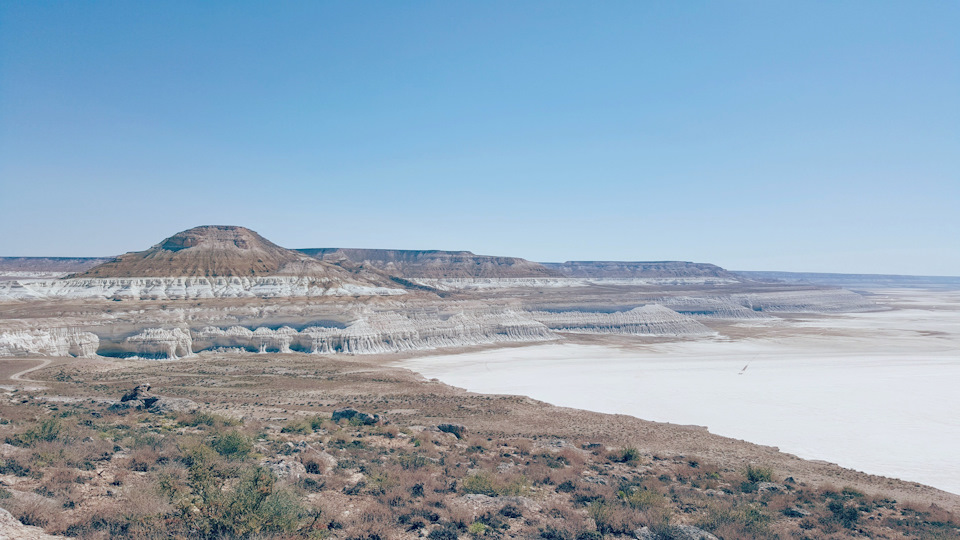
{"x":124,"y":406}
{"x":353,"y":415}
{"x":140,"y":398}
{"x":140,"y":392}
{"x":455,"y":429}
{"x":796,"y":512}
{"x":164,"y":405}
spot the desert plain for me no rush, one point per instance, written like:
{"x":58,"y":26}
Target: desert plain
{"x":370,"y":394}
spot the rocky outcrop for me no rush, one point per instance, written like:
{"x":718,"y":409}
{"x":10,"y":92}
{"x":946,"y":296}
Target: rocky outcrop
{"x":12,"y":529}
{"x":652,"y":319}
{"x":155,"y":343}
{"x":285,"y":468}
{"x":675,"y":532}
{"x":51,"y":342}
{"x":140,"y":398}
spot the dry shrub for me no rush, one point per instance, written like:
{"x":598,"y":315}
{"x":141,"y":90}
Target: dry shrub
{"x":143,"y":458}
{"x":51,"y":453}
{"x":614,"y":518}
{"x":60,"y":476}
{"x":539,"y":474}
{"x":313,"y":462}
{"x":778,"y":502}
{"x":574,"y":458}
{"x":523,"y":446}
{"x":141,"y":499}
{"x":390,"y":432}
{"x":32,"y":509}
{"x":736,"y":519}
{"x":370,"y":521}
{"x":460,"y":515}
{"x":120,"y":476}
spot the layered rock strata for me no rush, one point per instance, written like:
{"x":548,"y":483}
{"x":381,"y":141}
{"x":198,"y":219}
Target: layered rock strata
{"x":652,"y":319}
{"x":188,"y":288}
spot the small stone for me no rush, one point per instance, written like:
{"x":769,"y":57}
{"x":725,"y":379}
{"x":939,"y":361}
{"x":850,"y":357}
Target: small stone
{"x":796,"y":512}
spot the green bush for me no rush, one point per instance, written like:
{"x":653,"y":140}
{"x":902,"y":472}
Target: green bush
{"x":628,"y":455}
{"x":843,"y":514}
{"x":47,"y":430}
{"x":233,"y":445}
{"x":758,"y":474}
{"x":256,"y":506}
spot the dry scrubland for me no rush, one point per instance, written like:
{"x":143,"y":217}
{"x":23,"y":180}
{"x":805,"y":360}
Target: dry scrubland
{"x":262,"y":458}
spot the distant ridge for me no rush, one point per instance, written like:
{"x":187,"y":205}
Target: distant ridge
{"x":856,"y":280}
{"x":639,"y":269}
{"x":50,"y":264}
{"x":435,"y":264}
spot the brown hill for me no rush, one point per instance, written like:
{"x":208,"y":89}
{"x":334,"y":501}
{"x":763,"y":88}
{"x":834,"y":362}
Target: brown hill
{"x":434,"y":263}
{"x":223,"y":251}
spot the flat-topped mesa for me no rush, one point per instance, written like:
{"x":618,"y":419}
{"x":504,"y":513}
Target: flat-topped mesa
{"x":208,"y":251}
{"x":640,"y":269}
{"x":435,"y":264}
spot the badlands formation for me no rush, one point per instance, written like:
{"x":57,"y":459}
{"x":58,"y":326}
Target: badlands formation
{"x":268,"y":336}
{"x":234,"y":290}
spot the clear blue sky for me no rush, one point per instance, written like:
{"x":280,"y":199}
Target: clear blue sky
{"x":807,"y":136}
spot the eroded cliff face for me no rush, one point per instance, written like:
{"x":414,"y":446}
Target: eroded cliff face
{"x":49,"y":342}
{"x":159,"y":343}
{"x":367,"y":332}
